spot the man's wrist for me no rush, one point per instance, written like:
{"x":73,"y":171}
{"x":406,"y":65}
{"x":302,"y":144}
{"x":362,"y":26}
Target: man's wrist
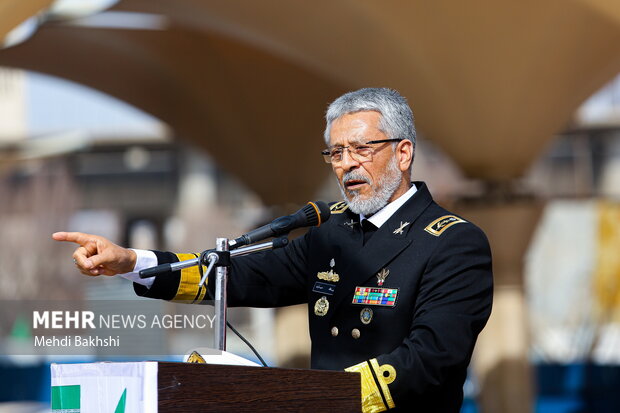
{"x":133,"y":259}
{"x":143,"y":259}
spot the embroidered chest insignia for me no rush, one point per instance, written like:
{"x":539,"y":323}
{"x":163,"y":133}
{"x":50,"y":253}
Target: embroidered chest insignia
{"x":399,"y":230}
{"x":330,"y":275}
{"x":438,"y":226}
{"x":382,"y":275}
{"x":321,"y":307}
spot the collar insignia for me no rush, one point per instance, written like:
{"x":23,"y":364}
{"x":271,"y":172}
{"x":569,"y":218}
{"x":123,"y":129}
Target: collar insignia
{"x":350,"y":224}
{"x":399,"y":230}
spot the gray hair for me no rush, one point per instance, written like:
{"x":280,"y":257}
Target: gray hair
{"x":396,"y":115}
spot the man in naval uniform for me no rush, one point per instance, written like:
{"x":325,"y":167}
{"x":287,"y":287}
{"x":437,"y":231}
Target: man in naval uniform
{"x":397,"y":287}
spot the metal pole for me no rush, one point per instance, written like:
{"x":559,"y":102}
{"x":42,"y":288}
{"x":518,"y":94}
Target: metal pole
{"x":221,"y":278}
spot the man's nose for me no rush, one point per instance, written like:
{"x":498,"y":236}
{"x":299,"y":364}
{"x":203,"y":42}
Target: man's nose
{"x":348,"y":161}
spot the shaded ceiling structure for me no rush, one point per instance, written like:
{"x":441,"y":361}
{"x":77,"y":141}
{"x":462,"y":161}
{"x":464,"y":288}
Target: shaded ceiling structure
{"x":490,"y":81}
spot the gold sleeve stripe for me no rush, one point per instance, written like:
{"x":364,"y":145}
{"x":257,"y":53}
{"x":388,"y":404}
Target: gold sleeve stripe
{"x":188,"y":286}
{"x":372,"y":402}
{"x":386,"y":374}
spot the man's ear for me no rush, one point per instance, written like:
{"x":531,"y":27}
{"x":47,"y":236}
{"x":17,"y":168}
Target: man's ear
{"x":404,"y":153}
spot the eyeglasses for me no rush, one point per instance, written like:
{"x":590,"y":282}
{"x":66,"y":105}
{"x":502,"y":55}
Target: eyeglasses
{"x":359,"y":152}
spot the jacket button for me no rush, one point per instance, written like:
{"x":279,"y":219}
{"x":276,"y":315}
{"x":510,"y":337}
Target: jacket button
{"x":355,"y":333}
{"x":334,"y":331}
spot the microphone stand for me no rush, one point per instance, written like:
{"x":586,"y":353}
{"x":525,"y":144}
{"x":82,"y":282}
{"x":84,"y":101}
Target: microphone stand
{"x":220,"y":258}
{"x":221,"y":307}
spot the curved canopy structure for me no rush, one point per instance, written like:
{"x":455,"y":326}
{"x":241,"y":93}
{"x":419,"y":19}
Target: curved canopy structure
{"x":489,"y":81}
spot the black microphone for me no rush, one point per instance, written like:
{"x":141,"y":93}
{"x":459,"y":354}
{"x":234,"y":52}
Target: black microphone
{"x":313,"y":214}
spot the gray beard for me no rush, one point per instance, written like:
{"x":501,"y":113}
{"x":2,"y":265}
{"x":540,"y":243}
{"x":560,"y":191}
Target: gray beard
{"x":386,"y":186}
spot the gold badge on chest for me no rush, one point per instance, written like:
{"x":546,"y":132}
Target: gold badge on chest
{"x":366,"y":315}
{"x":321,"y":306}
{"x":382,"y":275}
{"x":330,"y":275}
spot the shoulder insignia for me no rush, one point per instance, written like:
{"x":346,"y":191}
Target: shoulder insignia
{"x":438,"y":226}
{"x":338,"y":207}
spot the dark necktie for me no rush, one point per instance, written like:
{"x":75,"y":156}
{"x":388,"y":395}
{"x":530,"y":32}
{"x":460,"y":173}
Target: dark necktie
{"x":368,"y":228}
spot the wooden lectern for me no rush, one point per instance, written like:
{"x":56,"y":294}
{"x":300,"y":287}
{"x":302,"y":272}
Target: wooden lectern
{"x":186,"y":387}
{"x":209,"y":387}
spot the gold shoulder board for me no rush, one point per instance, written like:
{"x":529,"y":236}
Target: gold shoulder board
{"x":438,"y":226}
{"x":338,"y":207}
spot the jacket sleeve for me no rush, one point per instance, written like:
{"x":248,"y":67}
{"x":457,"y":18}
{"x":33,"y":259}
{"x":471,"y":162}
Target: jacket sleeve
{"x":266,"y":279}
{"x":453,"y":305}
{"x":179,"y":285}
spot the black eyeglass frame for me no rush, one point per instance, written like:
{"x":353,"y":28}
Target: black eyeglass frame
{"x":327,"y":152}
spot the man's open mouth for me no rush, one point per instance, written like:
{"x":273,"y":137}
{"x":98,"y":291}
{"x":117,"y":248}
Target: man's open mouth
{"x":354,"y":184}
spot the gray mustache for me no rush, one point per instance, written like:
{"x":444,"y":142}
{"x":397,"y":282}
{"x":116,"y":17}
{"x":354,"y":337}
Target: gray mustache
{"x":354,"y":175}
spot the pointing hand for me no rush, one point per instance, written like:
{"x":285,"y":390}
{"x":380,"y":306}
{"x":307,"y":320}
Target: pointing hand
{"x":97,"y":255}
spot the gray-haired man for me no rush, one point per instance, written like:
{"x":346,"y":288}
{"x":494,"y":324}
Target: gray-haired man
{"x":397,"y":288}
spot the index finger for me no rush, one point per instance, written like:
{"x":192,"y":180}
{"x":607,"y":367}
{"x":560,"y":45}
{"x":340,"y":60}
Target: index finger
{"x":77,"y":237}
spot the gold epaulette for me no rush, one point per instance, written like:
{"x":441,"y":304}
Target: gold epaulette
{"x":376,"y":395}
{"x":338,"y":207}
{"x":188,"y":286}
{"x":438,"y":226}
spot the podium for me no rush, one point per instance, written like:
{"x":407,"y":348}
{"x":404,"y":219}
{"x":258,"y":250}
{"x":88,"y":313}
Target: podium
{"x":183,"y":387}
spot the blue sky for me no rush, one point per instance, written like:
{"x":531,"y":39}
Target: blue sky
{"x":55,"y":104}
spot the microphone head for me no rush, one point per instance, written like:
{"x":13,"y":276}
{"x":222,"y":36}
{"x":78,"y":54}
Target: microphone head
{"x":316,"y":213}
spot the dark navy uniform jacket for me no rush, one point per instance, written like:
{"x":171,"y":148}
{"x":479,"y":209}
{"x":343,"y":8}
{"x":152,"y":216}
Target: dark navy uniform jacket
{"x":411,"y":335}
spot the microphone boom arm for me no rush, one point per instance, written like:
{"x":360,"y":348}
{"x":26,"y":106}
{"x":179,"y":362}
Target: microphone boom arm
{"x":176,"y":266}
